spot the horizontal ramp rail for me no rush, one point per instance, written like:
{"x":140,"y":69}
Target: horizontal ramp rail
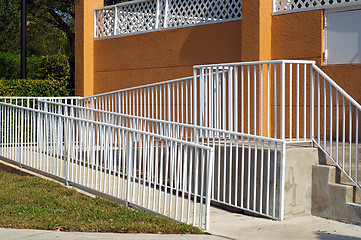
{"x":108,"y":159}
{"x":248,"y":169}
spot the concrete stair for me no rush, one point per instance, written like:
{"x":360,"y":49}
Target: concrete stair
{"x":332,"y":199}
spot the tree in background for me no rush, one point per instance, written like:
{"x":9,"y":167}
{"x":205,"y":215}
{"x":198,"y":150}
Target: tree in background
{"x":50,"y":29}
{"x":44,"y":35}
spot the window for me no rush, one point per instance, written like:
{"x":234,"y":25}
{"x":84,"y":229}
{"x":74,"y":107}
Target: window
{"x":343,"y":36}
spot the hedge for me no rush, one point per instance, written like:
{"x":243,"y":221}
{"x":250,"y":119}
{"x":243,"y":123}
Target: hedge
{"x":45,"y":67}
{"x":54,"y":67}
{"x":33,"y":88}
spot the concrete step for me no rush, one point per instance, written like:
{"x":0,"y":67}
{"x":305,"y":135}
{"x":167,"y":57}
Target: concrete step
{"x":338,"y":176}
{"x":331,"y":199}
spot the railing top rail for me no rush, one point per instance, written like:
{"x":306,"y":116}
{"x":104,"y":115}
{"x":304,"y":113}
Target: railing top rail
{"x":139,"y":87}
{"x":121,"y":4}
{"x":245,"y":135}
{"x":335,"y":4}
{"x":111,"y":125}
{"x":337,"y":87}
{"x":255,"y":63}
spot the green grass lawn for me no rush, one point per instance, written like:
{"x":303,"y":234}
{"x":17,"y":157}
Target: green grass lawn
{"x":35,"y":203}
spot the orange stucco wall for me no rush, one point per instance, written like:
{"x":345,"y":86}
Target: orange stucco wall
{"x":163,"y":55}
{"x":84,"y":46}
{"x":121,"y":62}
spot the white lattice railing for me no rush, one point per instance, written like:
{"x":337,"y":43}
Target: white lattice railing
{"x":289,"y":6}
{"x":147,"y":15}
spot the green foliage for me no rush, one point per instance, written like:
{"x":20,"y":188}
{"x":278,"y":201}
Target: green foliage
{"x":9,"y":65}
{"x":54,"y":67}
{"x":50,"y":31}
{"x":33,"y":88}
{"x":33,"y":65}
{"x":46,"y":67}
{"x":43,"y":35}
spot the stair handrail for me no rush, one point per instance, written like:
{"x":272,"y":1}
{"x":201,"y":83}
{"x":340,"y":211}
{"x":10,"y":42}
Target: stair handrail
{"x":345,"y":140}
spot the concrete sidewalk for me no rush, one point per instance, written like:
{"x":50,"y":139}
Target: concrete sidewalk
{"x":14,"y":234}
{"x":238,"y":226}
{"x":224,"y":226}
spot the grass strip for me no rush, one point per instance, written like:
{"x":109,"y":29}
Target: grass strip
{"x":35,"y":203}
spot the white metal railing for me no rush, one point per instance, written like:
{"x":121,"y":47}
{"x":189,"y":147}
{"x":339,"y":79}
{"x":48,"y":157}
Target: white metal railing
{"x":29,"y":102}
{"x":170,"y":100}
{"x":239,"y":97}
{"x":165,"y":175}
{"x":147,"y":15}
{"x":251,"y":97}
{"x":291,"y":6}
{"x":336,"y":124}
{"x":289,"y":99}
{"x":258,"y":160}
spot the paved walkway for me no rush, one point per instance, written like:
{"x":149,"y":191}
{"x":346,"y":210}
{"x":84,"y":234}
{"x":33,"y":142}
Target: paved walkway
{"x":224,"y":226}
{"x":237,"y":226}
{"x":12,"y":234}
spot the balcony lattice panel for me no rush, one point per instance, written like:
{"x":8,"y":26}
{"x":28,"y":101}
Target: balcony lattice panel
{"x":105,"y":22}
{"x":137,"y":17}
{"x":190,"y":12}
{"x":148,"y":15}
{"x":285,"y":6}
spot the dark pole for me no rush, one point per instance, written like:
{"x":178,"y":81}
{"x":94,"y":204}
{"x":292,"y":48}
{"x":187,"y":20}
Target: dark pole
{"x":23,"y":40}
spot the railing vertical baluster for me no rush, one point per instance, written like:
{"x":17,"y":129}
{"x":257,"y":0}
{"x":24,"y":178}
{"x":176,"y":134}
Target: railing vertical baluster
{"x":331,"y":117}
{"x":298,"y":102}
{"x":268,"y":101}
{"x":166,"y":13}
{"x":255,"y":99}
{"x":324,"y":114}
{"x":337,"y":124}
{"x":350,"y":140}
{"x":230,"y":98}
{"x":356,"y":145}
{"x":115,"y":20}
{"x":242,"y":100}
{"x":343,"y":131}
{"x":261,"y":100}
{"x":235,"y":100}
{"x":312,"y":106}
{"x":275,"y":100}
{"x":283,"y":102}
{"x":249,"y":99}
{"x":305,"y":102}
{"x":318,"y":110}
{"x":290,"y":102}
